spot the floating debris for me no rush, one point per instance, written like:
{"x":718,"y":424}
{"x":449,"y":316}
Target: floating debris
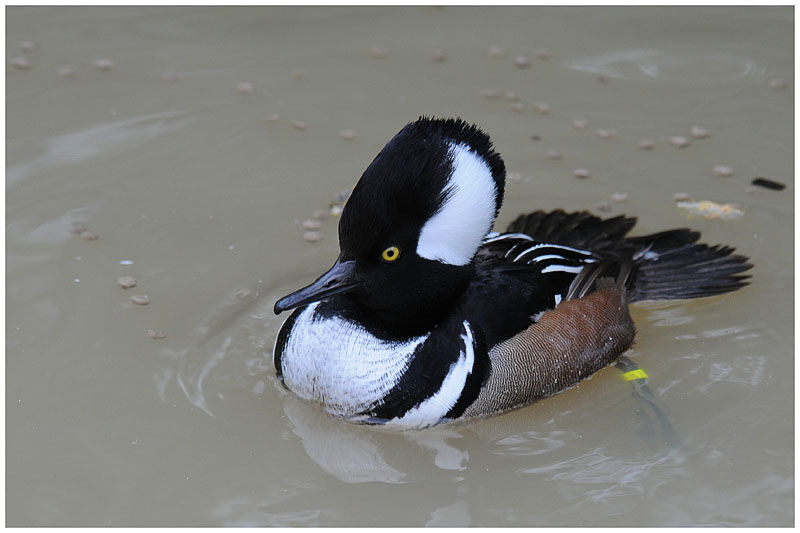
{"x":312,"y":224}
{"x":679,"y":141}
{"x":603,"y":206}
{"x":347,"y":135}
{"x":511,"y":96}
{"x":681,"y":197}
{"x":321,"y":214}
{"x":581,"y":173}
{"x":299,"y":125}
{"x":89,"y":236}
{"x":554,"y":155}
{"x":541,"y":108}
{"x":580,"y":124}
{"x":606,"y":134}
{"x":699,"y":133}
{"x":536,"y":137}
{"x":140,"y":299}
{"x":336,"y":210}
{"x":77,"y":227}
{"x":521,"y":61}
{"x":544,"y":55}
{"x":126,"y":282}
{"x":768,"y":184}
{"x":312,"y":236}
{"x":65,"y":71}
{"x":602,"y":79}
{"x":272,"y":118}
{"x":378,"y":52}
{"x":438,"y":56}
{"x":777,"y":83}
{"x":519,"y":107}
{"x":619,"y":197}
{"x":722,"y":170}
{"x":245,"y":87}
{"x":709,"y":209}
{"x":490,"y":94}
{"x":20,"y":63}
{"x":496,"y":51}
{"x":27,"y":46}
{"x":646,"y":144}
{"x":103,"y":64}
{"x":155,"y":333}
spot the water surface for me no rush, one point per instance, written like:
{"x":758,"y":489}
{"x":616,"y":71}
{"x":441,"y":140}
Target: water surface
{"x":169,"y":159}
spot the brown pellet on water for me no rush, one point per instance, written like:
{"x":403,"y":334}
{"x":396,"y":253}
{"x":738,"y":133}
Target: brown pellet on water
{"x":699,"y":133}
{"x":619,"y":197}
{"x":646,"y":144}
{"x":378,"y":52}
{"x":20,"y":63}
{"x":580,"y":124}
{"x":679,"y":141}
{"x":581,"y":173}
{"x":321,"y":214}
{"x":76,"y":227}
{"x":140,"y":299}
{"x":245,"y":87}
{"x":155,"y":333}
{"x":438,"y":56}
{"x":103,"y":64}
{"x":541,"y":108}
{"x":722,"y":170}
{"x":496,"y":52}
{"x":312,"y":236}
{"x":126,"y":282}
{"x":603,"y":206}
{"x":682,"y":197}
{"x":521,"y":61}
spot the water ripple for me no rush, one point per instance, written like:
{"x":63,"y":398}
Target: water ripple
{"x":81,"y":145}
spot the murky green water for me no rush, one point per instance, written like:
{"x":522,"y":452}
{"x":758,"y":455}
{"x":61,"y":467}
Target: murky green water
{"x":171,"y":162}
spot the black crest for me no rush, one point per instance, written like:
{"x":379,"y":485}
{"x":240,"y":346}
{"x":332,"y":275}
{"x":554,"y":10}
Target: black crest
{"x":405,"y":183}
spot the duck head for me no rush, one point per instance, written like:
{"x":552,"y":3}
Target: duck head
{"x":413,"y":223}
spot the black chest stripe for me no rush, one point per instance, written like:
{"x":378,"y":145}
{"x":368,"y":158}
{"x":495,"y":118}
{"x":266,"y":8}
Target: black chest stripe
{"x":283,"y":338}
{"x":480,"y":372}
{"x":424,"y":376}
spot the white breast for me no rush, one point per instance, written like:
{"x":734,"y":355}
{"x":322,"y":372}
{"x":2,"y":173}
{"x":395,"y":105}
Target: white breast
{"x":340,"y":364}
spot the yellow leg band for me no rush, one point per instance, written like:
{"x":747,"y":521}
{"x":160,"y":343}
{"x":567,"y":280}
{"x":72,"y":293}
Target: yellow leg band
{"x":634,"y":374}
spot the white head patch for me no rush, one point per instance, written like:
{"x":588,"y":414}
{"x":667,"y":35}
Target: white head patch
{"x":454,"y":232}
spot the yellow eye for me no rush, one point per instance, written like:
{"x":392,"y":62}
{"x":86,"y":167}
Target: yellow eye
{"x":390,"y":254}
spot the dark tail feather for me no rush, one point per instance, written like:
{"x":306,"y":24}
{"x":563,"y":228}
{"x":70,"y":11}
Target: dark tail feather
{"x":690,"y":271}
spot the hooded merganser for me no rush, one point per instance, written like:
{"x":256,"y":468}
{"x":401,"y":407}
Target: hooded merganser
{"x":427,"y":317}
